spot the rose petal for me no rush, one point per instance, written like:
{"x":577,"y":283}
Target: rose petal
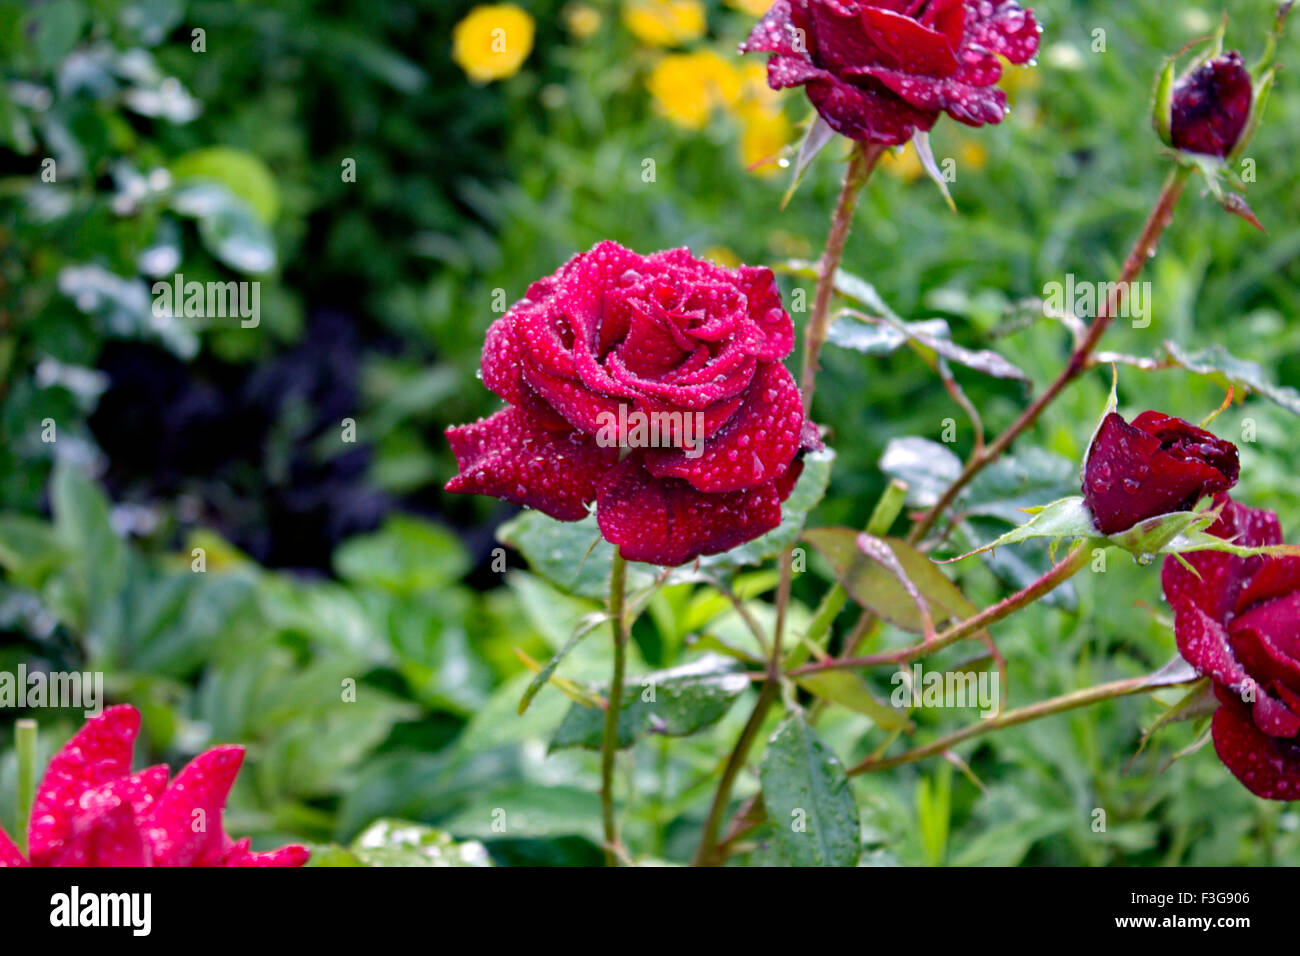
{"x":1007,"y":30}
{"x":842,"y":36}
{"x":511,"y":456}
{"x":972,"y":105}
{"x":184,"y":825}
{"x":240,"y":854}
{"x":667,"y":522}
{"x":1269,"y":767}
{"x":754,"y":447}
{"x":776,"y":33}
{"x":107,"y":837}
{"x":96,"y":754}
{"x":1211,"y":106}
{"x":1130,"y":477}
{"x":1266,"y":640}
{"x":869,"y":115}
{"x":10,"y":855}
{"x":1203,"y":643}
{"x":910,"y":45}
{"x":765,"y":310}
{"x":503,"y":372}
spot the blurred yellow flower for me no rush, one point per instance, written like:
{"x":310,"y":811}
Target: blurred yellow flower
{"x":665,"y":22}
{"x":972,"y":155}
{"x":1018,"y":79}
{"x":722,"y":256}
{"x":764,"y":135}
{"x":904,"y":164}
{"x":755,"y":8}
{"x":492,"y":42}
{"x":581,"y":20}
{"x":687,"y":86}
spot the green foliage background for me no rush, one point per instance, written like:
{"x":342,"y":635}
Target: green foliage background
{"x":462,"y":190}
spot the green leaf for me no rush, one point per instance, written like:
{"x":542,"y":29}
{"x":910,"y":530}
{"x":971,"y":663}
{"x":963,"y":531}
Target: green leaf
{"x":570,"y":554}
{"x":525,"y":810}
{"x":29,"y":550}
{"x":850,"y":690}
{"x":926,"y":467}
{"x":683,"y":700}
{"x":405,"y":556}
{"x":845,"y":283}
{"x":818,"y":134}
{"x":243,"y":173}
{"x":881,"y":336}
{"x":876,"y":588}
{"x":228,"y":226}
{"x":809,"y":799}
{"x":399,"y":843}
{"x":1217,"y":363}
{"x":84,"y":530}
{"x":540,"y":679}
{"x":1066,"y":518}
{"x":921,"y":141}
{"x":1162,"y":102}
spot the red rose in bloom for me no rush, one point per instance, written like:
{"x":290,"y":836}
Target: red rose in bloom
{"x":1238,"y":623}
{"x":879,"y":70}
{"x":91,"y":810}
{"x":1152,"y":466}
{"x":652,"y":386}
{"x":1210,"y":106}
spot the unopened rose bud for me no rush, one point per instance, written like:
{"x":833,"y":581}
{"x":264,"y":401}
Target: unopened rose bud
{"x":1210,"y":106}
{"x":1152,"y":466}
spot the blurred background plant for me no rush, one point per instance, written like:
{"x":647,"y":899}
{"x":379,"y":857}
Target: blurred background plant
{"x":392,"y":187}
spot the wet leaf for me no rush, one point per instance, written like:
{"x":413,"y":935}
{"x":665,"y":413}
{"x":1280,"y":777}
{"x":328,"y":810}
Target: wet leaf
{"x":676,"y":703}
{"x":809,"y":799}
{"x":850,"y":690}
{"x":876,"y":588}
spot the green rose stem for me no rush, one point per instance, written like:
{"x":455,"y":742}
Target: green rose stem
{"x":609,"y":741}
{"x":1055,"y":576}
{"x":1143,"y":249}
{"x":1044,"y":708}
{"x":25,"y":748}
{"x":861,"y":163}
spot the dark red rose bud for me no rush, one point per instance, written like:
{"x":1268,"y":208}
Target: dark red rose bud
{"x":1152,"y":466}
{"x":879,"y":70}
{"x":651,"y":386}
{"x":1237,"y":621}
{"x":1211,"y":105}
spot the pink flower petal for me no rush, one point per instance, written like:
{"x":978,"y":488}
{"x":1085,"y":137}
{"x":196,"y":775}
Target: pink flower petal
{"x":755,"y":446}
{"x":667,"y":522}
{"x":10,"y":855}
{"x":513,"y":457}
{"x":1006,"y":29}
{"x":96,"y":754}
{"x":775,"y":33}
{"x":290,"y":855}
{"x":184,"y":825}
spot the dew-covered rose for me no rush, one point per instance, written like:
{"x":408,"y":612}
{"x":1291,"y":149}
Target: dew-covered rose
{"x":1152,"y":466}
{"x":879,"y":70}
{"x":1237,"y":621}
{"x":1210,"y":106}
{"x":652,"y":386}
{"x":91,"y":810}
